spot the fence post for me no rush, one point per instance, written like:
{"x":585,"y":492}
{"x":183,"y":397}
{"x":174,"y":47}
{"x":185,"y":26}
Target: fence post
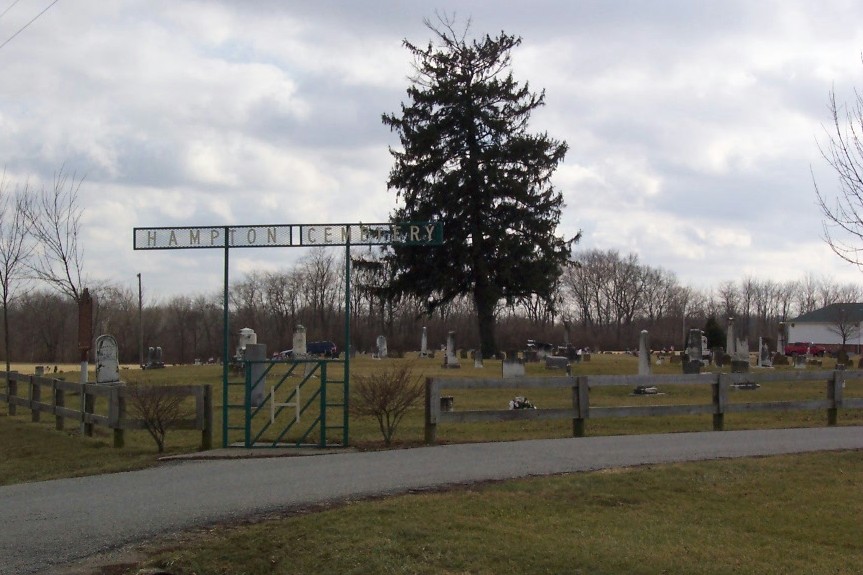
{"x":581,"y":405}
{"x":430,"y":423}
{"x":834,"y":396}
{"x":59,"y":402}
{"x":720,"y":398}
{"x":35,"y":397}
{"x":12,"y":385}
{"x":89,"y":404}
{"x":117,"y":414}
{"x":206,"y":400}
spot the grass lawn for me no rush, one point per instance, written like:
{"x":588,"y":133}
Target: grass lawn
{"x":36,"y":451}
{"x":788,"y":514}
{"x":776,"y":515}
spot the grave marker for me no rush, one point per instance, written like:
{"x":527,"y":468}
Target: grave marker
{"x":107,"y":362}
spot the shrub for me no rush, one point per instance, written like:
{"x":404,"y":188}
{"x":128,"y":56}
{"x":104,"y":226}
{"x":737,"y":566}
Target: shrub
{"x":158,"y":407}
{"x":386,"y":395}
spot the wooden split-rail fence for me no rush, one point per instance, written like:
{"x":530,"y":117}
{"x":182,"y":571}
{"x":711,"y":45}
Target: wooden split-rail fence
{"x":52,"y":396}
{"x":437,"y":406}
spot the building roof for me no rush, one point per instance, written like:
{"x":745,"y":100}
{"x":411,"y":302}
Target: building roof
{"x":835,"y":312}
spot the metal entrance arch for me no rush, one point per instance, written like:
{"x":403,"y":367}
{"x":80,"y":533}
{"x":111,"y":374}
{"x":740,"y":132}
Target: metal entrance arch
{"x":285,"y":235}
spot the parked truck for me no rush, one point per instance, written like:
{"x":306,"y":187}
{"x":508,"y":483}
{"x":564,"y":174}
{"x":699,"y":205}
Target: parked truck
{"x":805,"y":348}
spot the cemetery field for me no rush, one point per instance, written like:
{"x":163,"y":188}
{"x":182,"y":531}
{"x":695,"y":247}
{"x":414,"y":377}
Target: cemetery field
{"x":36,"y":451}
{"x":760,"y":516}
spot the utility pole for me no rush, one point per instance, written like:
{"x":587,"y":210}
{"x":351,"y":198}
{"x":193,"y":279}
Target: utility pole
{"x":140,"y":324}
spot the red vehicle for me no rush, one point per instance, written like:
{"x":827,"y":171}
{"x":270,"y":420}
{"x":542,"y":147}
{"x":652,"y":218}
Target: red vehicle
{"x":805,"y":348}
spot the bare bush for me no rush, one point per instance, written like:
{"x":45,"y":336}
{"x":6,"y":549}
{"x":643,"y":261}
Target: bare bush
{"x":386,"y":395}
{"x":159,"y":408}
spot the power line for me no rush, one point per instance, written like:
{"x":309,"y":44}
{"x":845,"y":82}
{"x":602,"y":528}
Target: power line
{"x":12,"y":5}
{"x":36,"y":17}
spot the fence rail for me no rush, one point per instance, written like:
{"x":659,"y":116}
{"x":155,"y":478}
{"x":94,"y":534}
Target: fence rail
{"x":581,"y":410}
{"x":47,"y":395}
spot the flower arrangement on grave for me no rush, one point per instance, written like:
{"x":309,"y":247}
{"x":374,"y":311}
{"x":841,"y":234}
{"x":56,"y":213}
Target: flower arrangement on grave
{"x":520,"y":402}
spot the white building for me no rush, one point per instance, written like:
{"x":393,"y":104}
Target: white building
{"x":829,"y":326}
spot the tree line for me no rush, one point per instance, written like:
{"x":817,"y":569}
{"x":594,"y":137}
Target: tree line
{"x":604,"y":300}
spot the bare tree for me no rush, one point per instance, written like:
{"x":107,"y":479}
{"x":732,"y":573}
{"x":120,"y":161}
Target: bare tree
{"x":843,"y":214}
{"x":845,"y":321}
{"x":386,"y":395}
{"x":15,"y":251}
{"x":807,"y":293}
{"x":729,"y":296}
{"x":159,"y":407}
{"x":55,"y":222}
{"x":321,"y":282}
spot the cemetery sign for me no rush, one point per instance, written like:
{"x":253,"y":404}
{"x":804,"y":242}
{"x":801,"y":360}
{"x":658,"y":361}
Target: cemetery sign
{"x":288,"y":235}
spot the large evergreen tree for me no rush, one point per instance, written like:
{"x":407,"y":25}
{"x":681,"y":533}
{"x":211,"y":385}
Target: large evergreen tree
{"x":468,"y":161}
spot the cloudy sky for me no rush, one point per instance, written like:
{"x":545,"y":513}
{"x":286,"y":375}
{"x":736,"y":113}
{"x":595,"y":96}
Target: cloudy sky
{"x":693,"y":126}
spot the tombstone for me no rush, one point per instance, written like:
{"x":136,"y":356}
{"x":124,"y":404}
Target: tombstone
{"x":40,"y":370}
{"x":381,"y":347}
{"x":780,"y":339}
{"x":842,"y":358}
{"x":257,"y":352}
{"x":424,"y":344}
{"x":107,"y":360}
{"x":247,"y":336}
{"x":477,"y":359}
{"x":154,"y":358}
{"x":512,"y":367}
{"x":740,"y":358}
{"x":800,"y":361}
{"x":764,"y":359}
{"x":692,"y":362}
{"x":730,"y":340}
{"x":556,"y":362}
{"x":450,"y":360}
{"x":644,"y":353}
{"x":300,"y":349}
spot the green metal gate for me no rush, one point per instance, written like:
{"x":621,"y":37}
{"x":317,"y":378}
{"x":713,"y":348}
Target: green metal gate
{"x":304,"y":403}
{"x":315,"y":417}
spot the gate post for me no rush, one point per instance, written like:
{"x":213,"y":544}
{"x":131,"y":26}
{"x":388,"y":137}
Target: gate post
{"x":581,"y":405}
{"x":430,"y":416}
{"x":834,"y":396}
{"x":720,"y":398}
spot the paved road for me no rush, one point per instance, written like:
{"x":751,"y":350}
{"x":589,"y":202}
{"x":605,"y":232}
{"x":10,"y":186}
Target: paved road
{"x":54,"y":523}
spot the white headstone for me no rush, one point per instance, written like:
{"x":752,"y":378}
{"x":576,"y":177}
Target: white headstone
{"x":300,"y":341}
{"x":451,"y":359}
{"x":424,"y":344}
{"x":780,"y":338}
{"x":730,"y":340}
{"x":643,"y":353}
{"x":512,"y":368}
{"x":477,"y":359}
{"x":247,"y":336}
{"x":107,"y":362}
{"x":382,"y":346}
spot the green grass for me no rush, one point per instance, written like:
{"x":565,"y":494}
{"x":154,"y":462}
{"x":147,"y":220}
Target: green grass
{"x":35,"y":451}
{"x":788,"y":514}
{"x":777,"y":515}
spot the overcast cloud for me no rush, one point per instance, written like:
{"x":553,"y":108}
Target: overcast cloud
{"x":693,"y":126}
